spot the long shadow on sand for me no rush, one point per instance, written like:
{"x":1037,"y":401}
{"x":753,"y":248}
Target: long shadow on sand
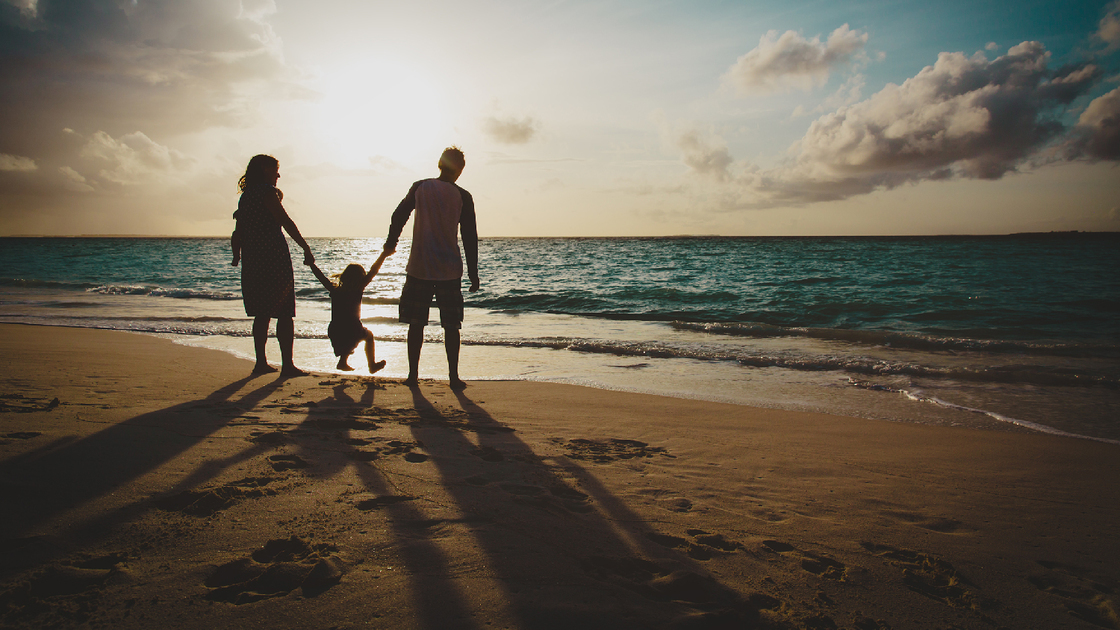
{"x":42,"y":485}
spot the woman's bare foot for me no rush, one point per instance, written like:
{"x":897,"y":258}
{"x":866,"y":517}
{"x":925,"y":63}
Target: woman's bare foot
{"x":376,"y":367}
{"x":457,"y":385}
{"x":263,"y":368}
{"x":412,"y":381}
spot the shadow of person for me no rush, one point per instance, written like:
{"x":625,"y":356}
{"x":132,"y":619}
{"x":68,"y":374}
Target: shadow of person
{"x":563,"y":558}
{"x":70,"y":478}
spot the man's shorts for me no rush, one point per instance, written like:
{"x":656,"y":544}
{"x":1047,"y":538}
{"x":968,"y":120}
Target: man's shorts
{"x":416,"y":300}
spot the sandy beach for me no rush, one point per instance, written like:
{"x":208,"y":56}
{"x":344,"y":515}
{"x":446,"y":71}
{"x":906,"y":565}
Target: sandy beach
{"x":150,"y":485}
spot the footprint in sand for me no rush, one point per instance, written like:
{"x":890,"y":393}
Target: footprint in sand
{"x":610,"y":450}
{"x":276,"y":569}
{"x":1088,"y":596}
{"x":930,"y":576}
{"x":703,"y":546}
{"x":819,"y":565}
{"x":932,"y":523}
{"x":208,"y":501}
{"x":280,"y":463}
{"x":375,"y":503}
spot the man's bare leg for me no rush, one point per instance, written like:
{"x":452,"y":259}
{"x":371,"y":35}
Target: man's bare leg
{"x":415,"y":343}
{"x":451,"y":346}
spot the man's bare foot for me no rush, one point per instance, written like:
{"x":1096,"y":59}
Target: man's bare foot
{"x":412,"y":381}
{"x":292,"y":371}
{"x":457,"y":385}
{"x":376,"y":367}
{"x":263,"y":368}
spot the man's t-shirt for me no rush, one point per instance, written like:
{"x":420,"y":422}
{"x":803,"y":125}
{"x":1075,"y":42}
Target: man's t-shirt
{"x":441,"y":207}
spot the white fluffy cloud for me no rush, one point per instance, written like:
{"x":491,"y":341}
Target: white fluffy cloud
{"x":510,"y":130}
{"x":962,"y":117}
{"x":1108,"y":31}
{"x":133,"y":159}
{"x":16,"y":163}
{"x":1097,"y":135}
{"x":785,"y":61}
{"x":164,"y":67}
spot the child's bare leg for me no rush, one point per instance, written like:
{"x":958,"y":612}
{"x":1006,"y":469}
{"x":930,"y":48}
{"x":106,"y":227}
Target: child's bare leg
{"x":343,"y":364}
{"x":374,"y":366}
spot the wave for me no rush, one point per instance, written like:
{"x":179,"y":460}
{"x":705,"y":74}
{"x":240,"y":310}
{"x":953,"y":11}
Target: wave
{"x":45,"y":284}
{"x":198,"y":294}
{"x":909,"y":341}
{"x":1021,"y":374}
{"x":918,"y":396}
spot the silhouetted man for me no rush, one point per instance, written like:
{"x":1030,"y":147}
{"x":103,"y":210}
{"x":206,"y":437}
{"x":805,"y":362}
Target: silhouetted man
{"x":435,"y":267}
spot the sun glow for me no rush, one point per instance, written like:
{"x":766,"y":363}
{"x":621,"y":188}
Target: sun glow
{"x":379,"y":111}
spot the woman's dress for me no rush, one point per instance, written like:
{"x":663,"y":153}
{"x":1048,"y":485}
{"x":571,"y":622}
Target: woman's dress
{"x":267,"y":279}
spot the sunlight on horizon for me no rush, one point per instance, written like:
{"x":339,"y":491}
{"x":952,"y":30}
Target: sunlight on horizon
{"x":379,"y":109}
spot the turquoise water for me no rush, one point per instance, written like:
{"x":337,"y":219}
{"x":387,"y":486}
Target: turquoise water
{"x":1021,"y":331}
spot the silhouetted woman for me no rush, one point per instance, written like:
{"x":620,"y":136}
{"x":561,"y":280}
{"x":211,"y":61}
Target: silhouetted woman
{"x":267,"y":279}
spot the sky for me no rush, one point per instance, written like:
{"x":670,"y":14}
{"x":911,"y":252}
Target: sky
{"x":596,"y":118}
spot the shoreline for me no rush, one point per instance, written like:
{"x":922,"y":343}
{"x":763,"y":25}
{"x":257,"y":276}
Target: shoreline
{"x":167,"y":488}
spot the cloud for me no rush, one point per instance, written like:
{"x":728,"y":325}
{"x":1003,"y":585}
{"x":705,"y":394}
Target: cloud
{"x":510,"y":130}
{"x":780,"y":63}
{"x":133,"y":159}
{"x":963,"y":117}
{"x":74,"y":181}
{"x":704,"y":156}
{"x":991,"y":46}
{"x":16,"y":163}
{"x":163,"y":67}
{"x":1108,"y":30}
{"x":1097,"y":135}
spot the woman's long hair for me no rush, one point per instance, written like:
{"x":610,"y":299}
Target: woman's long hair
{"x":256,"y":174}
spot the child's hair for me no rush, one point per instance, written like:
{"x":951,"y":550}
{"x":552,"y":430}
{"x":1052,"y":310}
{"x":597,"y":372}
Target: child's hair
{"x":352,"y":274}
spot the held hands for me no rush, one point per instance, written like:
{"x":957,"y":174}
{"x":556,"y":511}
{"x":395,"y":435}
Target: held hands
{"x":308,"y":257}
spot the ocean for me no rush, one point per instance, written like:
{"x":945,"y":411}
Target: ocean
{"x":1017,"y":333}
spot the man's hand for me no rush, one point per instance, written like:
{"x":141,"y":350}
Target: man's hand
{"x":308,"y":257}
{"x":474,"y":285}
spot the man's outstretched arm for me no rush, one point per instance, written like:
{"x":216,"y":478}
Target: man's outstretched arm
{"x":400,"y":217}
{"x":468,"y":226}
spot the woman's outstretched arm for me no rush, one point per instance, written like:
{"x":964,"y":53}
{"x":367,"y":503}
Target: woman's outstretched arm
{"x":281,"y":216}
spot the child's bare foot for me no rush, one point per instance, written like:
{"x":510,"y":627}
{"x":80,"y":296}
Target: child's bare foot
{"x":263,"y":368}
{"x":457,"y":385}
{"x":376,"y":367}
{"x":344,"y":367}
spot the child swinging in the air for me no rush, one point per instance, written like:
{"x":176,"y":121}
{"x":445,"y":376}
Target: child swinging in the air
{"x":346,"y":330}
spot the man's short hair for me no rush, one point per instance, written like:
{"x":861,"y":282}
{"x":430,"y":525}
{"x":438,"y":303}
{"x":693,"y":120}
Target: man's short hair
{"x":452,"y":159}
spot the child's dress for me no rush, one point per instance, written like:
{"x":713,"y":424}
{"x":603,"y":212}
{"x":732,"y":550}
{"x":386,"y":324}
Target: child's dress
{"x":346,"y":330}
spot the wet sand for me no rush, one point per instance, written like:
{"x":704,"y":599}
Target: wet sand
{"x":145,"y":484}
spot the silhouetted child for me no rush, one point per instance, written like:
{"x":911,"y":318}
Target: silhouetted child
{"x":346,"y":330}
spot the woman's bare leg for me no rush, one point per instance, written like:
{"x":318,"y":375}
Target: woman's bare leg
{"x":260,"y":343}
{"x":286,"y":335}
